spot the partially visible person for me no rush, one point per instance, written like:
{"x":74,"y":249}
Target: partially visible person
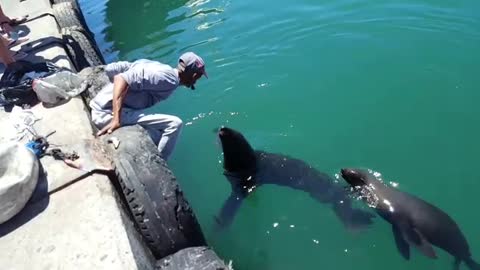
{"x":7,"y":23}
{"x":138,"y":86}
{"x":8,"y":56}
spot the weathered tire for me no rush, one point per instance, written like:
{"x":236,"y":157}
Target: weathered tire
{"x":161,"y":213}
{"x":73,"y":2}
{"x":82,"y":50}
{"x":67,"y":16}
{"x":96,"y":79}
{"x":196,"y":258}
{"x":19,"y":169}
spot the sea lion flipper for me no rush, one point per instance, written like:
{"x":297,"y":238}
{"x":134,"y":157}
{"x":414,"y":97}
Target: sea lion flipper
{"x":420,"y":242}
{"x":228,"y":211}
{"x":402,"y":245}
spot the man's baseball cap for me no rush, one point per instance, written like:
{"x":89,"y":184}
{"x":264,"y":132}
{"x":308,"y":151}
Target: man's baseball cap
{"x":193,"y":63}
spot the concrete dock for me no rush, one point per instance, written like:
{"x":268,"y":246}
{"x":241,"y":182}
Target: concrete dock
{"x":82,"y":226}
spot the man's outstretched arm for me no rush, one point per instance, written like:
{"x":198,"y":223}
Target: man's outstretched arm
{"x":120,"y":88}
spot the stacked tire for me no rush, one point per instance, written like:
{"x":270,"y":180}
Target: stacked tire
{"x":164,"y":217}
{"x":78,"y":39}
{"x":82,"y":51}
{"x":197,"y":258}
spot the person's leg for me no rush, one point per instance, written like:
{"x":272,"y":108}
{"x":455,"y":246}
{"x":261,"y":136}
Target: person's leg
{"x":5,"y":54}
{"x":101,"y":118}
{"x":168,"y":126}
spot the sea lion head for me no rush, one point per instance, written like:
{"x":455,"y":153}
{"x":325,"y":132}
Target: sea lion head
{"x":238,"y":156}
{"x":356,"y":177}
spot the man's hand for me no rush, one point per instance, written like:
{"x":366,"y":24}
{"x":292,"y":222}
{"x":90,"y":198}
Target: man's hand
{"x":120,"y":88}
{"x":111,"y":127}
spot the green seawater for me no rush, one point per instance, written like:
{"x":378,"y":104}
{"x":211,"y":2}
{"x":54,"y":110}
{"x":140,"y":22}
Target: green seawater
{"x":388,"y":85}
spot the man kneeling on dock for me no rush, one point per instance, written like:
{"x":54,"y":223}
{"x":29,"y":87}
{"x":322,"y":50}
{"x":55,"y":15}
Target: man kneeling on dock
{"x":139,"y":85}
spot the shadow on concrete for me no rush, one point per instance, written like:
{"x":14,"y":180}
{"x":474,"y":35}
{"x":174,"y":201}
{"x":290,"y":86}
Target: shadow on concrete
{"x":47,"y":42}
{"x":36,"y":205}
{"x":31,"y":47}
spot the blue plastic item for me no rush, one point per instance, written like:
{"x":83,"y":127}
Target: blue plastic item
{"x":38,"y":146}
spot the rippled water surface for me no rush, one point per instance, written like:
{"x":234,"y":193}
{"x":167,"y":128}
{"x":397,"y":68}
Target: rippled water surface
{"x":388,"y":85}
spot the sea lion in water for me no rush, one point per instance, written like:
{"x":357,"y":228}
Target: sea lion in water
{"x":414,"y":221}
{"x":247,"y":169}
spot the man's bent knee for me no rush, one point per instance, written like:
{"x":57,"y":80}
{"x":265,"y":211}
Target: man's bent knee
{"x":176,"y":122}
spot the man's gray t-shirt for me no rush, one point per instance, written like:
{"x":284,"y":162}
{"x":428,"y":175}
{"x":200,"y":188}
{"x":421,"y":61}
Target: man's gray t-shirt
{"x":148,"y":83}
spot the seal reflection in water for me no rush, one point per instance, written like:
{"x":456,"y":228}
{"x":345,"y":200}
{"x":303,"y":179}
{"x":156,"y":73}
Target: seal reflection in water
{"x":414,"y":221}
{"x":247,"y":169}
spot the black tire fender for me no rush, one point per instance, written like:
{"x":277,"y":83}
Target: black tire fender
{"x":68,"y":16}
{"x":163,"y":216}
{"x":73,"y":2}
{"x":195,"y":258}
{"x":82,"y":50}
{"x":66,"y":8}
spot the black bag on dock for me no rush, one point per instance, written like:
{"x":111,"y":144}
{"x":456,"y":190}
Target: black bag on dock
{"x":14,"y":89}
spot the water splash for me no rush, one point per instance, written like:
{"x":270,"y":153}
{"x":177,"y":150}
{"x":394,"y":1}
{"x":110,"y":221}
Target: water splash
{"x":365,"y":193}
{"x":337,"y":178}
{"x":201,"y":116}
{"x":376,"y":174}
{"x":394,"y":184}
